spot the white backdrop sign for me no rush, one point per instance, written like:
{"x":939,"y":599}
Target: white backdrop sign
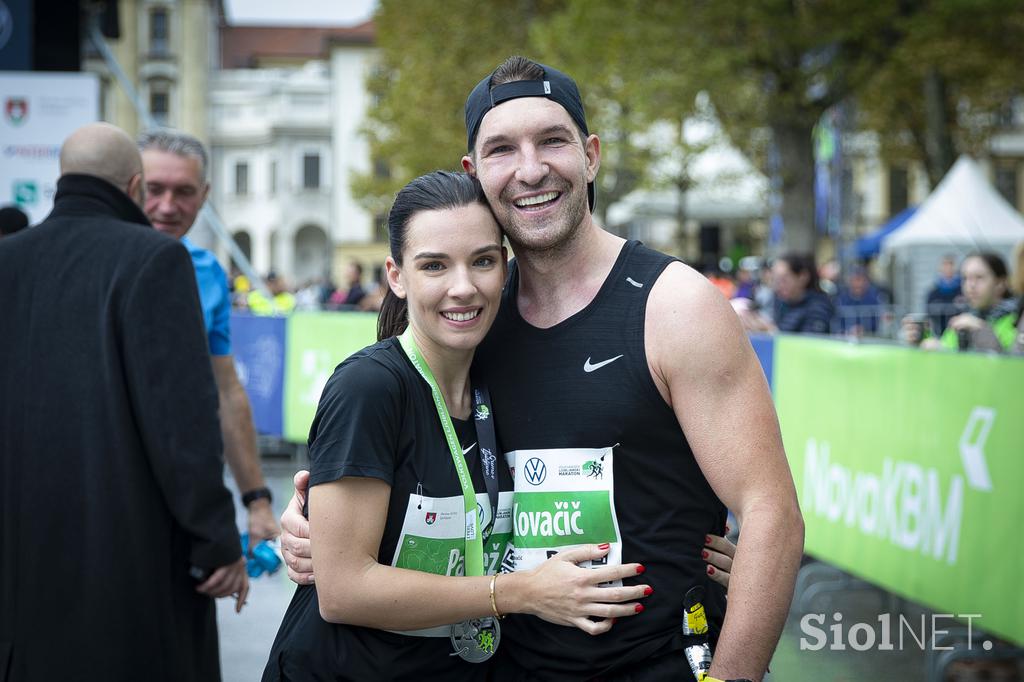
{"x":38,"y":110}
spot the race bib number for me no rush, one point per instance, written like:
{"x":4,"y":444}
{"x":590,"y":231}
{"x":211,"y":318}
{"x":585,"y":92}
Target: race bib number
{"x":433,"y":539}
{"x":563,"y":498}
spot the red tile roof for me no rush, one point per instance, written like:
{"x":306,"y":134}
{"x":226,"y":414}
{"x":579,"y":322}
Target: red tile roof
{"x":243,"y":47}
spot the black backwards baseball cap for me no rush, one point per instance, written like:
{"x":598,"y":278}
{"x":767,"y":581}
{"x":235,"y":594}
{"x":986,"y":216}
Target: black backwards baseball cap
{"x":555,"y":86}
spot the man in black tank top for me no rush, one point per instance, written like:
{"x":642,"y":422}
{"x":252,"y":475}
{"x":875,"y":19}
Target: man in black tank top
{"x":619,"y":374}
{"x":630,"y":404}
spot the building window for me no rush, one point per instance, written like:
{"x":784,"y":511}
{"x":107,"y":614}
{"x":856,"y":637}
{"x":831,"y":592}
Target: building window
{"x":897,"y":189}
{"x":311,"y":171}
{"x":241,"y":178}
{"x":272,"y":184}
{"x":1006,"y":182}
{"x":159,"y":43}
{"x":160,"y":101}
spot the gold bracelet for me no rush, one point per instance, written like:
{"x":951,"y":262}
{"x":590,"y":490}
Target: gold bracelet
{"x":494,"y":605}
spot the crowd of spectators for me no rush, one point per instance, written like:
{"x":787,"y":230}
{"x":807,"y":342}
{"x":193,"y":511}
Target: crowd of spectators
{"x":973,"y":305}
{"x":318,"y":293}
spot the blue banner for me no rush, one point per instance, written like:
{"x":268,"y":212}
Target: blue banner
{"x":258,"y":344}
{"x":764,"y":346}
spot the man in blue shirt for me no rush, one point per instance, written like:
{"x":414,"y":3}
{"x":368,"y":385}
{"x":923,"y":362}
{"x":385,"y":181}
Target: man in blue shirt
{"x":175,"y":166}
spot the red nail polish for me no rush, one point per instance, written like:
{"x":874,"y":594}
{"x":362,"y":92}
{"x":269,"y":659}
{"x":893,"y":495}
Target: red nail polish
{"x":603,"y":545}
{"x":613,"y":620}
{"x":640,"y":569}
{"x":707,"y":539}
{"x":704,"y":554}
{"x":711,"y":570}
{"x":639,"y":608}
{"x":648,"y":591}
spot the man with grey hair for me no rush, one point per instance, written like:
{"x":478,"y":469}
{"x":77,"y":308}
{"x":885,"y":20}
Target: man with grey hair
{"x":175,"y":167}
{"x":117,"y":528}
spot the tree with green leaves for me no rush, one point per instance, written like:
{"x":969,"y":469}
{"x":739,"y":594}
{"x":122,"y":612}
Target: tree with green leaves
{"x":424,"y":77}
{"x":942,"y":89}
{"x":773,"y":67}
{"x":930,"y":71}
{"x":432,"y":53}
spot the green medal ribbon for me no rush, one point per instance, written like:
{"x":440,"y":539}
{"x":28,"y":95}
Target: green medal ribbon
{"x":474,"y":542}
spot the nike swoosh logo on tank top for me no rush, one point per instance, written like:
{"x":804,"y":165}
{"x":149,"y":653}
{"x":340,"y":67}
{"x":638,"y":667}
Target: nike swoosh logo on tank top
{"x":588,"y":367}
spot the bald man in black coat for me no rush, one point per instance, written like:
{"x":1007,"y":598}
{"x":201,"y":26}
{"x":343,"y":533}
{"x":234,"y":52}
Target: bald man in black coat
{"x":116,"y":529}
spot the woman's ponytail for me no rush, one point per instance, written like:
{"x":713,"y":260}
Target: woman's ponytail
{"x":394,"y":316}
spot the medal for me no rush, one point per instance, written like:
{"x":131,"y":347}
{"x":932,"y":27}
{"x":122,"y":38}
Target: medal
{"x":476,"y":640}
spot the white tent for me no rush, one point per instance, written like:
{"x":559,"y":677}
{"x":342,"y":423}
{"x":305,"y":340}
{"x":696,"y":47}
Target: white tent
{"x":963,"y":214}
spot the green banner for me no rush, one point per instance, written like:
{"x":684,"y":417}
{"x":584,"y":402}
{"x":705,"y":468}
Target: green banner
{"x":909,"y":470}
{"x":552,"y":519}
{"x":317,"y":343}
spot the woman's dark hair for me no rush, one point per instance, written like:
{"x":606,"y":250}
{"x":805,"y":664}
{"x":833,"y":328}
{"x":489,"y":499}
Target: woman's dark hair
{"x":995,"y":263}
{"x":431,"y":192}
{"x":799,"y":263}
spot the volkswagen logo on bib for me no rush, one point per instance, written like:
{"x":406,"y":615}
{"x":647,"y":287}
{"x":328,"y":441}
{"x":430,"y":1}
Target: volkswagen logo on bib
{"x":535,"y":471}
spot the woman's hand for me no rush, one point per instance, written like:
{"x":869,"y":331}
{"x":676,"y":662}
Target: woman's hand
{"x":718,"y":553}
{"x":561,"y":592}
{"x":295,"y":548}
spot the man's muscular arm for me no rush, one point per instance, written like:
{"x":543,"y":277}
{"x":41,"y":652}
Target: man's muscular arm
{"x":705,"y":368}
{"x":240,"y":446}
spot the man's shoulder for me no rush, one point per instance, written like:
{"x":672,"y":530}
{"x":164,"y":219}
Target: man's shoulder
{"x":679,"y":285}
{"x":125,"y":239}
{"x":685,"y":310}
{"x":202,"y":259}
{"x":682,"y":298}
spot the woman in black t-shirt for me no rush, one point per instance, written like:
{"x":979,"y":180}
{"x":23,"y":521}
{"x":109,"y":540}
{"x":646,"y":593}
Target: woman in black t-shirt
{"x":387,"y":512}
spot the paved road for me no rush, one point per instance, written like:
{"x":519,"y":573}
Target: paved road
{"x":246,"y":637}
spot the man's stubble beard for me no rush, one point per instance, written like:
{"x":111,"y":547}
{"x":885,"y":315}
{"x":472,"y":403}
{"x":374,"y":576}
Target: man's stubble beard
{"x":556,"y":236}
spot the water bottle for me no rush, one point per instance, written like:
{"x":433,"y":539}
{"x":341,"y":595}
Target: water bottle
{"x":264,"y":558}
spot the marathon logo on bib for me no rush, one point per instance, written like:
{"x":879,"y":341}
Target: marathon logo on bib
{"x":564,"y":498}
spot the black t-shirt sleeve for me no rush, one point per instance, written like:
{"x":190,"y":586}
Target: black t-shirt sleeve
{"x":356,"y":428}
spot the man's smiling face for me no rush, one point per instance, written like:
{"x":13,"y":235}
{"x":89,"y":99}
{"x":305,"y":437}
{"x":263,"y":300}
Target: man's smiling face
{"x":534,"y":169}
{"x":175,"y":190}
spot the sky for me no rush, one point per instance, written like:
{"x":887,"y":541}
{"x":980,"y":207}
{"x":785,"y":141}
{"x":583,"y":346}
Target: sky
{"x":299,"y":12}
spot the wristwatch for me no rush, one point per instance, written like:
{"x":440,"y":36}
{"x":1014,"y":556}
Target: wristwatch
{"x":256,"y":494}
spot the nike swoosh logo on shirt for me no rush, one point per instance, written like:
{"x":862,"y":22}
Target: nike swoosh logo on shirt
{"x":465,"y":451}
{"x":588,"y":367}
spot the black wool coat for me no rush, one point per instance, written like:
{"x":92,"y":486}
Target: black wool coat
{"x":111,"y":469}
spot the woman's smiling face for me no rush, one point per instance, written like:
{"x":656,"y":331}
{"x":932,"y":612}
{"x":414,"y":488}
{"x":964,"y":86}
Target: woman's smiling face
{"x":452,"y":273}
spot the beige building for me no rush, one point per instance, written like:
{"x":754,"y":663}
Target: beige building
{"x":166,"y":49}
{"x":287,"y":107}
